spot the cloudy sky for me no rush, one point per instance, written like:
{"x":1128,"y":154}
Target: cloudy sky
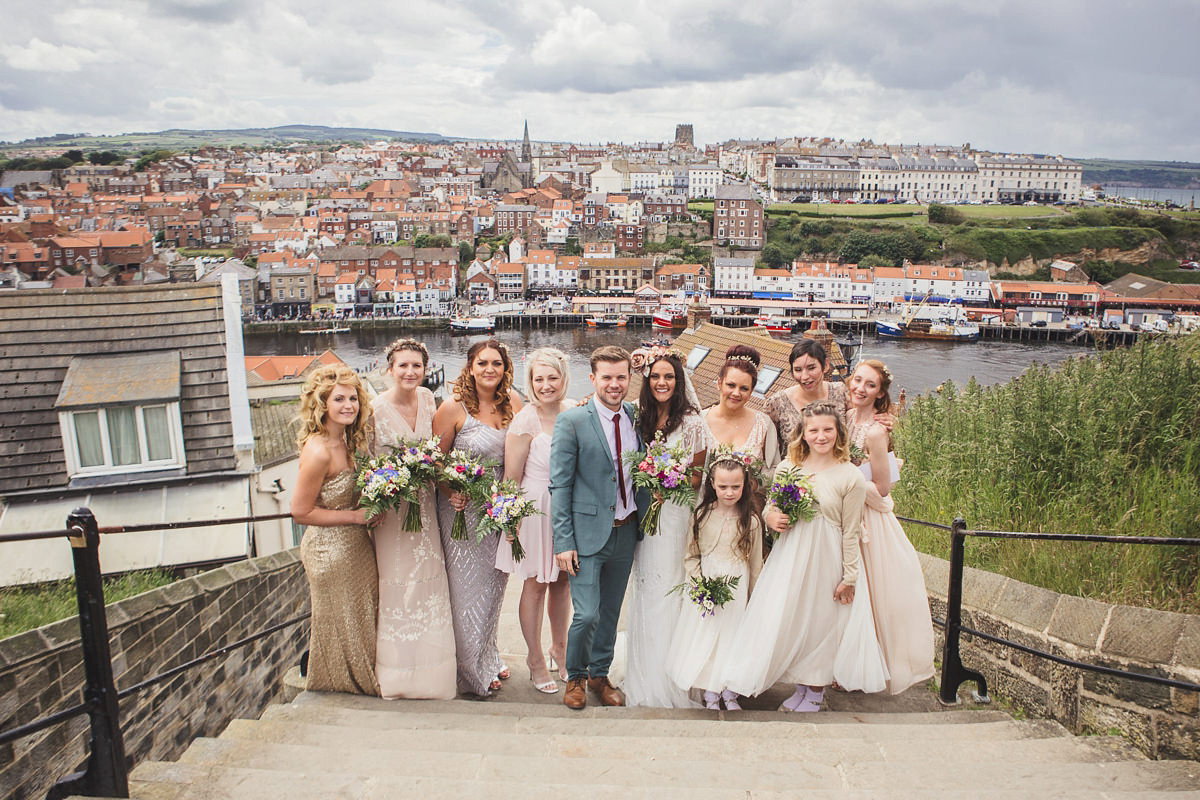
{"x":1085,"y":78}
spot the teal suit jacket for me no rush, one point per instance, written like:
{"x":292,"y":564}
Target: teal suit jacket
{"x":583,"y":481}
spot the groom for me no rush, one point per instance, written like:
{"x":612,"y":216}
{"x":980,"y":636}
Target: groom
{"x":595,"y":520}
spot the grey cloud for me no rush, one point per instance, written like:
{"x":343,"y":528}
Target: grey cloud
{"x":207,"y":11}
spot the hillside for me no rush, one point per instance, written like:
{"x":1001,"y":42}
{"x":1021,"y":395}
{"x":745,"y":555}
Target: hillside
{"x":1153,"y":174}
{"x":179,"y":139}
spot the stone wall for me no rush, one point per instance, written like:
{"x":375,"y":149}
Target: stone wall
{"x":41,"y":671}
{"x":1163,"y":722}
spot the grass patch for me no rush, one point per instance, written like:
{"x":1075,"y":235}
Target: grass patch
{"x":1101,"y":445}
{"x":212,"y":252}
{"x":23,"y":608}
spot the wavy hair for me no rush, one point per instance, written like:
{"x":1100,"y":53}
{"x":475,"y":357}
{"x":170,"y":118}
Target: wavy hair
{"x":314,"y":396}
{"x":548,"y":357}
{"x":464,"y":384}
{"x":883,"y":403}
{"x":798,"y":450}
{"x":749,"y":506}
{"x":677,"y":406}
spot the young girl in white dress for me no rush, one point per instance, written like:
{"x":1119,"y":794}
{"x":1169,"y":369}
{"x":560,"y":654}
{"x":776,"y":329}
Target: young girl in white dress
{"x":725,"y":538}
{"x":809,"y":619}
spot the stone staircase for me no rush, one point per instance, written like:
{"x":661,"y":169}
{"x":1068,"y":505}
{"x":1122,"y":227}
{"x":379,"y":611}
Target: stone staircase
{"x":341,"y":746}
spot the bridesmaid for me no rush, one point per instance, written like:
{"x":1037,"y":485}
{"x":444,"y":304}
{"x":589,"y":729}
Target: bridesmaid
{"x":338,"y":557}
{"x":731,"y":421}
{"x":808,"y":362}
{"x":415,"y":645}
{"x":475,"y":422}
{"x":666,"y":405}
{"x":527,"y":461}
{"x":898,"y":599}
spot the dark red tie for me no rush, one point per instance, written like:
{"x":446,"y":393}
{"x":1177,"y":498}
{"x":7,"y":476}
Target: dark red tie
{"x":620,"y":471}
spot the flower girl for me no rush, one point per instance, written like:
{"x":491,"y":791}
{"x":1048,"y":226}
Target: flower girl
{"x":723,"y":560}
{"x":809,"y":619}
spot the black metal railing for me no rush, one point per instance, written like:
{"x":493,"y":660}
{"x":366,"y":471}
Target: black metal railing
{"x":107,"y":772}
{"x":954,"y":674}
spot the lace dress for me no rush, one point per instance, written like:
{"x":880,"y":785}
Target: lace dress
{"x":344,"y":590}
{"x":476,"y":586}
{"x":786,"y":416}
{"x":793,"y":629}
{"x":762,"y":441}
{"x":898,"y":599}
{"x":657,"y":568}
{"x":415,"y":647}
{"x":535,"y":535}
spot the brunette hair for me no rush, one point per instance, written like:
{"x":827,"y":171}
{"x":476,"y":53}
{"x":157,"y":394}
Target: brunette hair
{"x":464,"y":384}
{"x":609,"y":353}
{"x":883,"y":403}
{"x":743,"y":357}
{"x":315,"y":395}
{"x":677,"y":406}
{"x":749,"y":506}
{"x":811,"y":348}
{"x":405,"y":344}
{"x":798,"y":450}
{"x":551,"y":357}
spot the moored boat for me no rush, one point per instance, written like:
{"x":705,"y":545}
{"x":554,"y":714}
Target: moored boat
{"x":473,"y":324}
{"x":775,"y":323}
{"x":669,"y":318}
{"x":607,"y":321}
{"x":944,"y":323}
{"x":311,"y":331}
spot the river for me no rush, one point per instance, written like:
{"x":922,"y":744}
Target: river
{"x":918,"y":366}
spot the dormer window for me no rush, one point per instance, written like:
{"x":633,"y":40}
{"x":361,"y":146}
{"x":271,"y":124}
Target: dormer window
{"x":120,"y":414}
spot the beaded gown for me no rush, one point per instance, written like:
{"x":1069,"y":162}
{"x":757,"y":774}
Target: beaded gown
{"x":657,"y":568}
{"x":762,"y":442}
{"x":786,"y":416}
{"x":415,"y":646}
{"x":535,"y":534}
{"x":476,"y":586}
{"x":343,"y":587}
{"x":898,"y":599}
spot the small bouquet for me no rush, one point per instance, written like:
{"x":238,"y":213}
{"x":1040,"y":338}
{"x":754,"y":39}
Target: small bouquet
{"x":708,"y":593}
{"x":462,"y":472}
{"x":420,"y":458}
{"x":384,"y":483}
{"x":727,"y":452}
{"x":857,"y":454}
{"x":666,"y":472}
{"x":503,"y":510}
{"x":792,"y":493}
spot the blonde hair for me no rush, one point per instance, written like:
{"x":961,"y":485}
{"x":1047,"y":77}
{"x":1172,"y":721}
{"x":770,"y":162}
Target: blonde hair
{"x":883,"y":403}
{"x":314,"y":396}
{"x":404,"y":344}
{"x":551,"y":357}
{"x":798,"y":450}
{"x":464,"y":384}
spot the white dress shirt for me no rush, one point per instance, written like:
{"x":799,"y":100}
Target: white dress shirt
{"x":628,"y":444}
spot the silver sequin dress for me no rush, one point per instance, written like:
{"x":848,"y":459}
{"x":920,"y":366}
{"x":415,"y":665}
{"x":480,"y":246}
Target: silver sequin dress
{"x":476,"y":586}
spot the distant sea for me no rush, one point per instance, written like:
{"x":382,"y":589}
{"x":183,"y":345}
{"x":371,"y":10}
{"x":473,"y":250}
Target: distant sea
{"x":1183,"y":197}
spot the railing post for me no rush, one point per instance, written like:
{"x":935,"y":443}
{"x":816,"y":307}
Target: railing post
{"x":106,"y":774}
{"x":954,"y":674}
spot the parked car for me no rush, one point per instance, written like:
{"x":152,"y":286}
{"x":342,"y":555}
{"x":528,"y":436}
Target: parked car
{"x":1189,"y":265}
{"x":1038,"y":323}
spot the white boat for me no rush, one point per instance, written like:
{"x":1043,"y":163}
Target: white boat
{"x":942,"y":322}
{"x":607,"y":321}
{"x":473,"y":324}
{"x":311,"y":331}
{"x":670,"y":318}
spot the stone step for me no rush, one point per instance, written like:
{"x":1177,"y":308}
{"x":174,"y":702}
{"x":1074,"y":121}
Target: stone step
{"x":640,"y":769}
{"x":824,"y":749}
{"x":156,"y":780}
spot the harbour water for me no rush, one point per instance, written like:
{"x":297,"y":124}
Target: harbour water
{"x":1182,"y":197}
{"x":918,"y":366}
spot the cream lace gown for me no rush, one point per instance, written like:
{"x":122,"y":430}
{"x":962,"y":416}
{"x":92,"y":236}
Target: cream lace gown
{"x":344,"y":590}
{"x":898,"y":598}
{"x":414,"y":655}
{"x":762,"y":442}
{"x":658,"y":568}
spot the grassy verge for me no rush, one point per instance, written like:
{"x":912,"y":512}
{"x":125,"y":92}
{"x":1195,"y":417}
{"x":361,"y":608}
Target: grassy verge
{"x":25,"y":608}
{"x":196,"y":252}
{"x":1101,"y":445}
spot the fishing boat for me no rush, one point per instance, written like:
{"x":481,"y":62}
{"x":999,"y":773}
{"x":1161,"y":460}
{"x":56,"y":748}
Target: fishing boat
{"x":311,"y":331}
{"x":941,"y":322}
{"x":472,"y":324}
{"x":607,"y":321}
{"x":775,"y":323}
{"x":669,"y":318}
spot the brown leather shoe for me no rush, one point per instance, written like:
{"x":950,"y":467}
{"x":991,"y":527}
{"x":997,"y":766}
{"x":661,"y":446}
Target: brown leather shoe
{"x":575,"y":697}
{"x":609,"y":695}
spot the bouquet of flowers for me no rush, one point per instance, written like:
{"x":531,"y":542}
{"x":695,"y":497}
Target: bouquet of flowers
{"x":857,"y":454}
{"x":666,"y":472}
{"x":727,"y":452}
{"x":384,"y":483}
{"x":503,"y":509}
{"x":708,"y":593}
{"x":420,"y":457}
{"x":792,"y":493}
{"x":462,"y":472}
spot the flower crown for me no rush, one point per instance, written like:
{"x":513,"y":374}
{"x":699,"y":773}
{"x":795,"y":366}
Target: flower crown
{"x":728,"y":454}
{"x":883,"y":368}
{"x":740,"y":357}
{"x":642,"y":359}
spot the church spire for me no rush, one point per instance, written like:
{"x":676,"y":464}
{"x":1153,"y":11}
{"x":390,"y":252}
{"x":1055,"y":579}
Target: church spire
{"x":526,"y":149}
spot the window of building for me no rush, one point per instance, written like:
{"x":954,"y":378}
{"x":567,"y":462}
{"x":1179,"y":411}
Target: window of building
{"x":696,"y":356}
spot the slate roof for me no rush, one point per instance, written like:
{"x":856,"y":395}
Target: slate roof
{"x":41,"y":331}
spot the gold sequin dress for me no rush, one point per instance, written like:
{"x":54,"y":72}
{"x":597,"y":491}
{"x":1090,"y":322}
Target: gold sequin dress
{"x":343,"y":585}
